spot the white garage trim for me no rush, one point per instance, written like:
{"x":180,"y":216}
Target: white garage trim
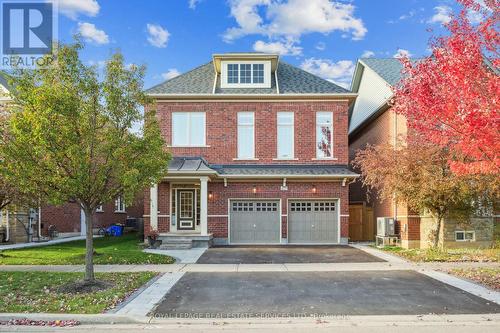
{"x":337,"y":200}
{"x":253,"y":199}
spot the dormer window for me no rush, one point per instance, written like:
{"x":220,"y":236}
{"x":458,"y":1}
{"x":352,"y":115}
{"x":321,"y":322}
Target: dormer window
{"x":245,"y":74}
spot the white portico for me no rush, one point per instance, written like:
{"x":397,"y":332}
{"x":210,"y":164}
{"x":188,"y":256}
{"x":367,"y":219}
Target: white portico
{"x":186,"y":207}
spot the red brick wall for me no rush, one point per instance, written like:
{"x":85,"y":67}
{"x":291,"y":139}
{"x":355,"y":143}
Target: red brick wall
{"x":221,"y":129}
{"x":66,"y":217}
{"x":239,"y":190}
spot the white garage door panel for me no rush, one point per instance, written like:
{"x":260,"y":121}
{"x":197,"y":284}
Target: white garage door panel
{"x":313,"y":222}
{"x":255,"y":222}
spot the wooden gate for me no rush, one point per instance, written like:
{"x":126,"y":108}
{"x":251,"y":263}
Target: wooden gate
{"x":361,"y":223}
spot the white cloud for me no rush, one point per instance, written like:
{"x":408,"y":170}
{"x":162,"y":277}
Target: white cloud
{"x":90,"y":33}
{"x":158,"y":36}
{"x":280,"y":47}
{"x":402,"y":53}
{"x":194,"y":3}
{"x":170,"y":74}
{"x":368,"y":54}
{"x":339,"y":72}
{"x":98,"y":63}
{"x":73,"y":8}
{"x":320,"y":46}
{"x":442,"y":15}
{"x":292,"y":18}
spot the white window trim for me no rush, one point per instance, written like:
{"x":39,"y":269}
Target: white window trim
{"x":99,"y":209}
{"x":267,"y":74}
{"x":316,"y":136}
{"x":204,"y":144}
{"x":277,"y":137}
{"x":121,"y":203}
{"x":465,"y":232}
{"x":238,"y":139}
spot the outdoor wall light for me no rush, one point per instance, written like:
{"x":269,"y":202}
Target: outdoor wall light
{"x":254,"y":189}
{"x":210,"y":195}
{"x":314,"y":189}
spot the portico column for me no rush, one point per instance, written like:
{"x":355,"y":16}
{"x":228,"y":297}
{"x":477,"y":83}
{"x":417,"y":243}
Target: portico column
{"x":153,"y":207}
{"x":203,"y":206}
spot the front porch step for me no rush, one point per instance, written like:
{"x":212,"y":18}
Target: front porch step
{"x":176,"y":244}
{"x":176,"y":240}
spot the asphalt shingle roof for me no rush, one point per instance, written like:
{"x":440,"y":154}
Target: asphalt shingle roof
{"x":282,"y":170}
{"x":388,"y":68}
{"x":291,"y":80}
{"x":197,"y":164}
{"x":197,"y":81}
{"x":188,"y":164}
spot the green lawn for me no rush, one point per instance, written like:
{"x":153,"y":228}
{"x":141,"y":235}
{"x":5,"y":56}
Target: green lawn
{"x":109,"y":250}
{"x":447,"y":255}
{"x":38,"y":292}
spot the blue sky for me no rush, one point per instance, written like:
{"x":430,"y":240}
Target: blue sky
{"x":324,"y":37}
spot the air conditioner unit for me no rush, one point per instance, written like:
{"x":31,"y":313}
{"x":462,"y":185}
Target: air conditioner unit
{"x":385,"y":226}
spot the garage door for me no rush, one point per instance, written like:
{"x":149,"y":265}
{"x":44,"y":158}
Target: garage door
{"x":313,"y":222}
{"x":254,"y":222}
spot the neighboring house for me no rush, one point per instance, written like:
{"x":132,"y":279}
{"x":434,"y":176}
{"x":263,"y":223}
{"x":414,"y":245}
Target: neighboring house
{"x":69,"y":220}
{"x":260,"y":155}
{"x":371,"y":121}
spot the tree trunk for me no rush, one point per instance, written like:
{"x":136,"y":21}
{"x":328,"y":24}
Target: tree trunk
{"x":89,"y":246}
{"x":437,"y":238}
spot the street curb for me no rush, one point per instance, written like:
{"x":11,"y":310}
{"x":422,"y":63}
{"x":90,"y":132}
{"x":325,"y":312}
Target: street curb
{"x":367,"y":320}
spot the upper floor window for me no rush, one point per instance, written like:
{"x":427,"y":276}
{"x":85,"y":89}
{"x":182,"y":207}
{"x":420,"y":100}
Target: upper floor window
{"x":324,"y":135}
{"x":258,"y":73}
{"x":285,"y":135}
{"x":119,"y":205}
{"x":99,"y":209}
{"x":188,"y":128}
{"x":232,"y":73}
{"x":246,"y":73}
{"x":246,"y":135}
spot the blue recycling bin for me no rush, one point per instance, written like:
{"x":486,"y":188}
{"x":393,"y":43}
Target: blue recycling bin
{"x":115,"y":230}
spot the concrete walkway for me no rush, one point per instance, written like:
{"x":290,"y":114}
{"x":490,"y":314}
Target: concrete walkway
{"x":144,"y":301}
{"x":188,"y":256}
{"x":36,"y":244}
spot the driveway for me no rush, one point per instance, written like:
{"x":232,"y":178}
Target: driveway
{"x":285,"y":254}
{"x":324,"y":293}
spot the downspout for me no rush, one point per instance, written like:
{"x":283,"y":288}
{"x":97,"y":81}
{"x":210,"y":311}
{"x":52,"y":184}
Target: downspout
{"x":7,"y":236}
{"x":395,"y":142}
{"x":39,"y":222}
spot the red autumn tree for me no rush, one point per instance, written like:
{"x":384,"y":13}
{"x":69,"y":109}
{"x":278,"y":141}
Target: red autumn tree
{"x":453,"y":96}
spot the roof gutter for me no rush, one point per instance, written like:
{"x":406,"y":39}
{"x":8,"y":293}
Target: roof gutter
{"x":339,"y":96}
{"x":288,"y":176}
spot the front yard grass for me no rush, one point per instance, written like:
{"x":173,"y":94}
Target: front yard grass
{"x":447,"y":255}
{"x":489,"y":277}
{"x":123,"y":250}
{"x":40,"y":292}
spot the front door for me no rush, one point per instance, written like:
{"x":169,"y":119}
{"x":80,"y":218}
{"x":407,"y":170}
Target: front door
{"x":186,"y":209}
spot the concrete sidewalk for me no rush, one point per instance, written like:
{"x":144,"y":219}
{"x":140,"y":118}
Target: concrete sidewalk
{"x":37,"y":244}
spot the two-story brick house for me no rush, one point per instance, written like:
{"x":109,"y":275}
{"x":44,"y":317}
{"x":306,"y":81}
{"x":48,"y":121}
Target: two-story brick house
{"x":260,"y":155}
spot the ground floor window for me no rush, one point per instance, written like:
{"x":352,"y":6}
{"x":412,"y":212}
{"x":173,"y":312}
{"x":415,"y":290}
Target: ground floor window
{"x":465,"y":236}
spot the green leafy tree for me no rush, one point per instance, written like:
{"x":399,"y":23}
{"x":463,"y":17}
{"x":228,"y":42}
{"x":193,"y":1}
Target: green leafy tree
{"x":70,"y":135}
{"x":417,"y":173}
